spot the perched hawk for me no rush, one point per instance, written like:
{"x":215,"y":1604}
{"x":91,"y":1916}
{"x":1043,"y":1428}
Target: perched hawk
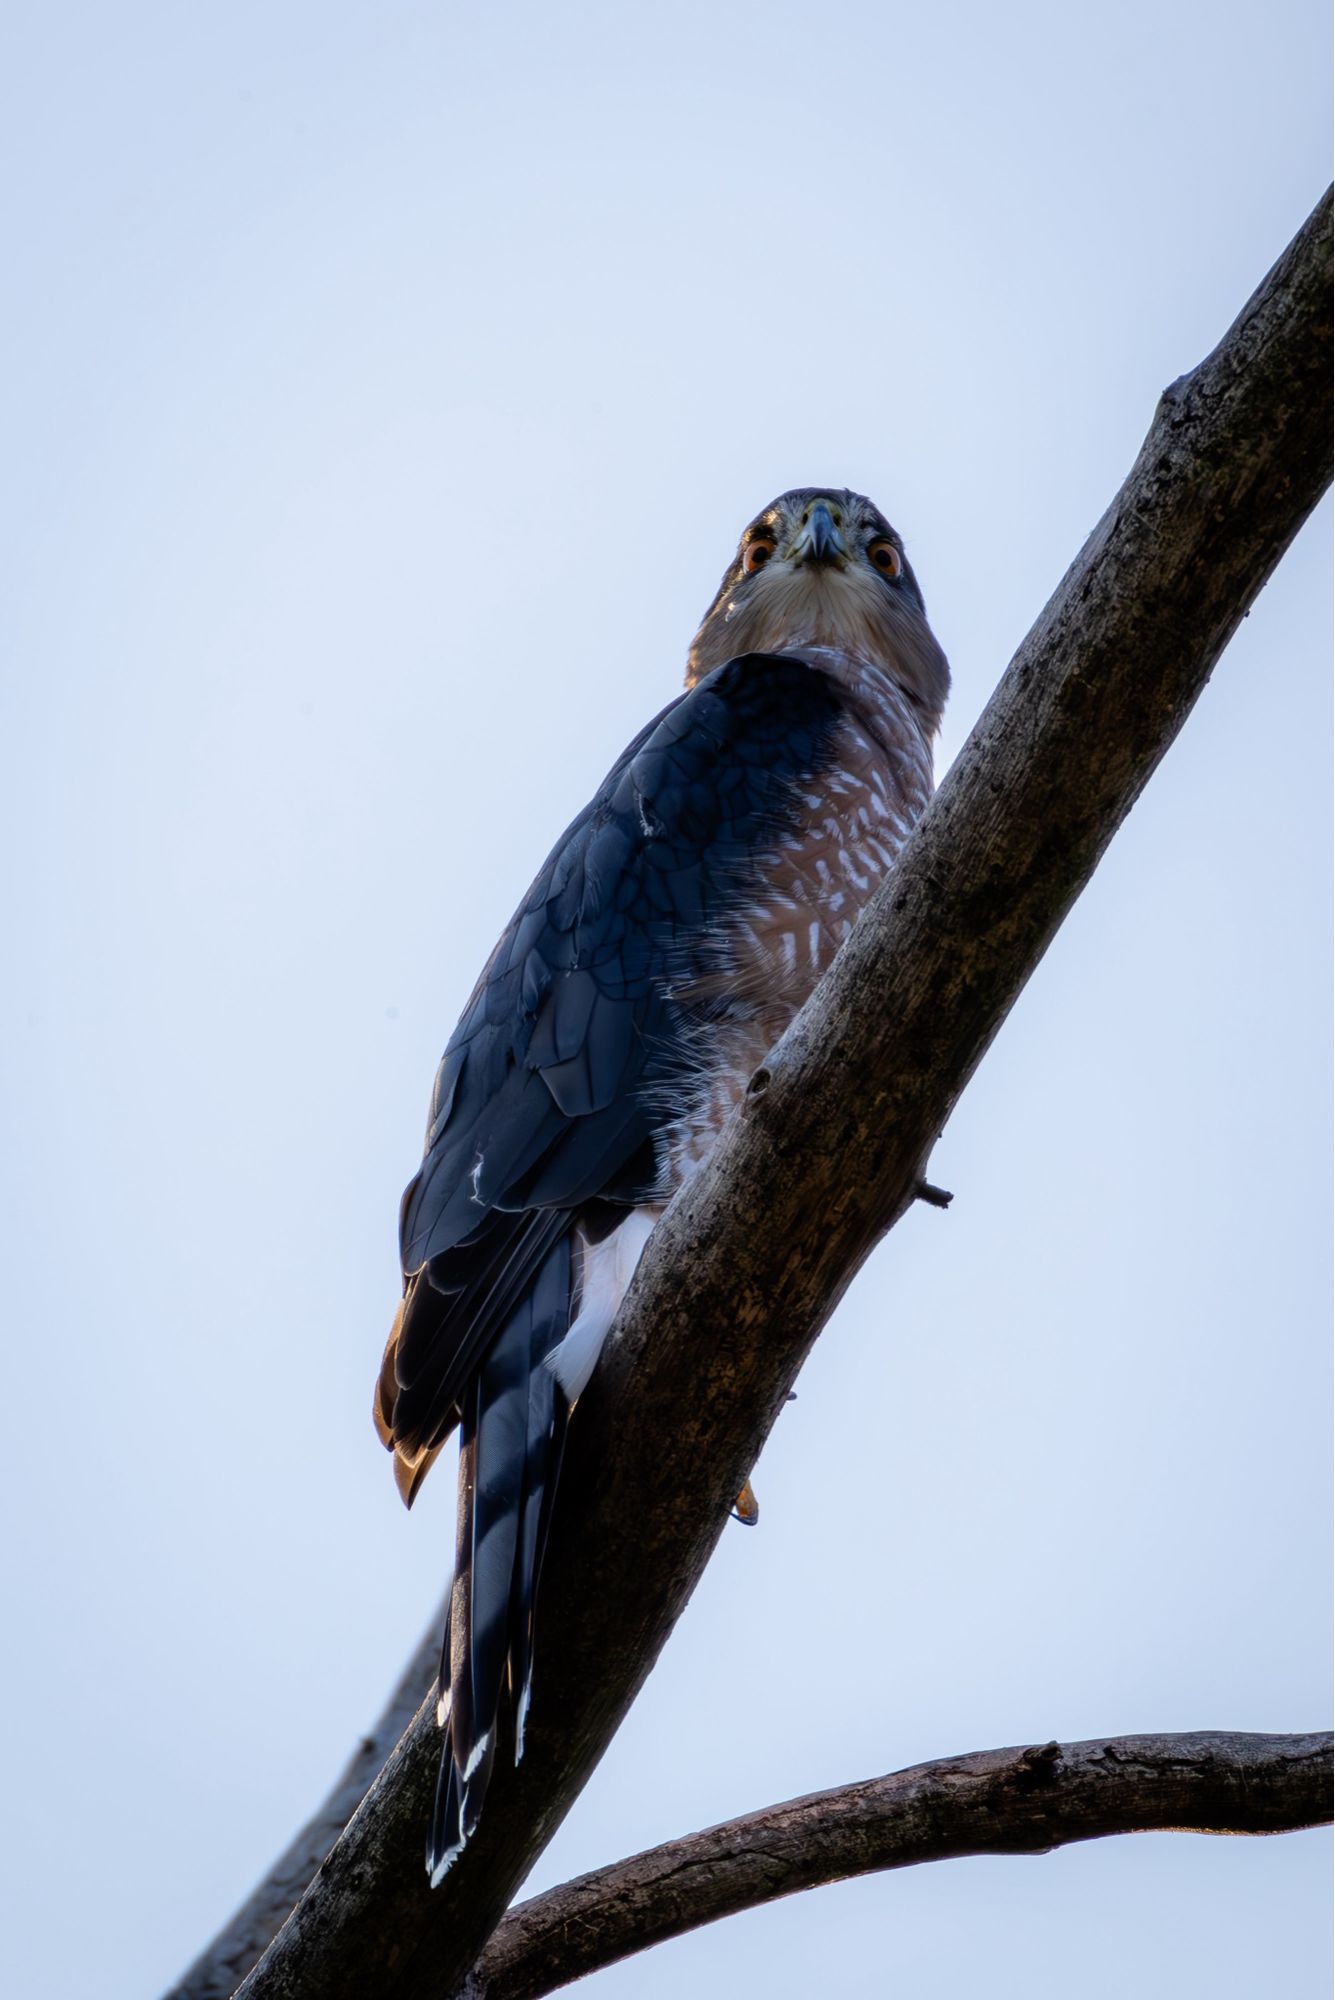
{"x":668,"y":940}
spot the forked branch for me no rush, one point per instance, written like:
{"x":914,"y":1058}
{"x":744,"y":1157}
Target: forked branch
{"x":750,"y":1260}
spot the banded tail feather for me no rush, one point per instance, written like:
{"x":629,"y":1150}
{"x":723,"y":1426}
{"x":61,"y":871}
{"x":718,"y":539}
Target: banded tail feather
{"x":510,"y":1445}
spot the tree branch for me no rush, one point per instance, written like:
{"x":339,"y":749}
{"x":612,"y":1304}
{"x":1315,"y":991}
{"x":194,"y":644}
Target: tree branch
{"x":751,"y":1259}
{"x":1025,"y":1801}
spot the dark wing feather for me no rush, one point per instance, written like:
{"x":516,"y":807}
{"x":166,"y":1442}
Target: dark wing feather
{"x":558,"y":1080}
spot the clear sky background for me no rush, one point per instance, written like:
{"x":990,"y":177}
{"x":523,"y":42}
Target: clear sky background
{"x":385,"y":389}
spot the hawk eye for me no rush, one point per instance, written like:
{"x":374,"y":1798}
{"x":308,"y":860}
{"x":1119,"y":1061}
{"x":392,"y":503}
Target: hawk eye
{"x":886,"y":557}
{"x":757,"y":553}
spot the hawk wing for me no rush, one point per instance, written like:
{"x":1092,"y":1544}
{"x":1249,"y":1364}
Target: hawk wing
{"x":574,"y":1052}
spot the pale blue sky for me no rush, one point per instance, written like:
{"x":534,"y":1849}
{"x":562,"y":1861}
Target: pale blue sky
{"x":386,"y":390}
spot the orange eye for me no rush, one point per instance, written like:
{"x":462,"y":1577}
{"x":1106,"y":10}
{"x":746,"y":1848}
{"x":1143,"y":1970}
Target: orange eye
{"x":757,"y":553}
{"x":886,"y":558}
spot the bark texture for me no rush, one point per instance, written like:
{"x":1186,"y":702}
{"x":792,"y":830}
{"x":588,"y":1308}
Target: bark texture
{"x":750,"y":1260}
{"x":1024,"y":1801}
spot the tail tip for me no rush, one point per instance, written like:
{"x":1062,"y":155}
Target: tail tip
{"x":439,"y":1865}
{"x":521,"y":1715}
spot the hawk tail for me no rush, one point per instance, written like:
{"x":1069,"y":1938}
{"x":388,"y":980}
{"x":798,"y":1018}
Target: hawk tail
{"x":510,"y":1446}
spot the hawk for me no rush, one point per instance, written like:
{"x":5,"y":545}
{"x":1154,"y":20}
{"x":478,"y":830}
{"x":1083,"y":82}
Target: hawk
{"x":667,"y":941}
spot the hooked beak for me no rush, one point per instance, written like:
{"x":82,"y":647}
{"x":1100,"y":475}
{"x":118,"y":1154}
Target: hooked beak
{"x":820,"y":540}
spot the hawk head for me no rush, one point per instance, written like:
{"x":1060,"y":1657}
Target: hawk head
{"x":823,"y":567}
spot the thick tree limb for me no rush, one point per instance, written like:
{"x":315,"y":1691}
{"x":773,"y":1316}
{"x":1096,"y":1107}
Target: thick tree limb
{"x":1024,"y":1801}
{"x":750,"y":1261}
